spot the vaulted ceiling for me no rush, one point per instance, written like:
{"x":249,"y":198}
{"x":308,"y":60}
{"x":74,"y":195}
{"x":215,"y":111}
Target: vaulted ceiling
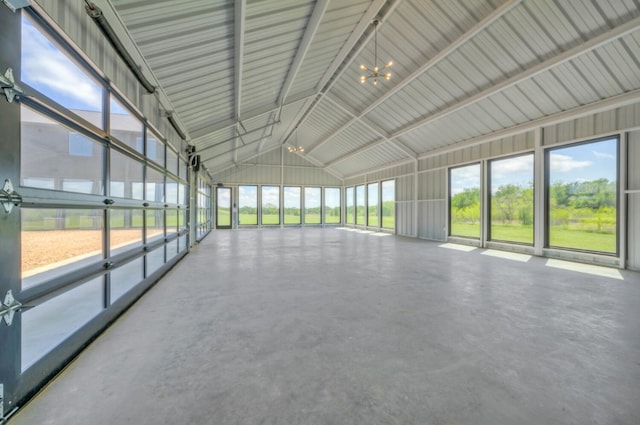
{"x":246,"y":77}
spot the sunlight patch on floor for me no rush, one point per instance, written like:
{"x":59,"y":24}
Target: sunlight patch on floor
{"x":507,"y":255}
{"x":458,"y":247}
{"x":585,"y":268}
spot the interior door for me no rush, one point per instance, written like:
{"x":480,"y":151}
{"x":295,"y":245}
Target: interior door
{"x":10,"y":320}
{"x":223,"y":208}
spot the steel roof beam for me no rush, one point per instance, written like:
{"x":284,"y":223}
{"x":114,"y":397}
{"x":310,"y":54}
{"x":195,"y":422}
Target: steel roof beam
{"x":239,"y":18}
{"x":309,"y":34}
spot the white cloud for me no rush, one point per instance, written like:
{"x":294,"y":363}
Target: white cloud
{"x":45,"y":66}
{"x":563,"y":163}
{"x":603,"y":155}
{"x":509,"y":167}
{"x":465,"y":177}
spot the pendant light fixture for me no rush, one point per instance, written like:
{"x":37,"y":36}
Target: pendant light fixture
{"x":375,"y":72}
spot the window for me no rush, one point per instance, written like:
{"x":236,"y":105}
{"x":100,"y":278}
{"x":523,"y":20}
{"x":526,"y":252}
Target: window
{"x":360,"y":205}
{"x":80,"y":145}
{"x":464,"y":204}
{"x":511,"y":205}
{"x":270,"y":205}
{"x":223,"y":210}
{"x":581,"y":196}
{"x":389,"y":204}
{"x":48,"y":69}
{"x":129,"y":171}
{"x":248,"y":205}
{"x":332,"y":205}
{"x":125,"y":126}
{"x":154,"y":185}
{"x":291,"y":205}
{"x":44,"y":154}
{"x":373,"y":217}
{"x":349,"y":206}
{"x":312,"y":205}
{"x":80,"y":231}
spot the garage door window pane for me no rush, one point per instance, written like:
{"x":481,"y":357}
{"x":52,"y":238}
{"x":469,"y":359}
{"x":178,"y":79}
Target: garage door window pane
{"x":48,"y":69}
{"x":45,"y":154}
{"x":57,"y":241}
{"x":47,"y":325}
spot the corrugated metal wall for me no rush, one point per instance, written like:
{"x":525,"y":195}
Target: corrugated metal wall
{"x":405,"y":206}
{"x":593,"y":126}
{"x":633,"y":201}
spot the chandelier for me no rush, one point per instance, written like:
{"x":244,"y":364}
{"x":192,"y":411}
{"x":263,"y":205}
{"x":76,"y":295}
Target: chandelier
{"x":376,"y":71}
{"x":295,"y":149}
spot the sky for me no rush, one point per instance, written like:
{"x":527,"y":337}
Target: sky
{"x":48,"y":70}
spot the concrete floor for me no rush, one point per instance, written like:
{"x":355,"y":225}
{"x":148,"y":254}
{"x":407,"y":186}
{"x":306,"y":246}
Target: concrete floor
{"x":313,"y":326}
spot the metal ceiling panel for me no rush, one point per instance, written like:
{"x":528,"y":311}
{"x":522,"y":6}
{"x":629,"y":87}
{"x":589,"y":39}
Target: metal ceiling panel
{"x":348,"y":141}
{"x":324,"y":121}
{"x":273,"y":31}
{"x":376,"y":157}
{"x":337,"y":24}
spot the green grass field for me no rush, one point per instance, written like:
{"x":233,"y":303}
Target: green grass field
{"x":559,"y":236}
{"x":512,"y":233}
{"x":580,"y":239}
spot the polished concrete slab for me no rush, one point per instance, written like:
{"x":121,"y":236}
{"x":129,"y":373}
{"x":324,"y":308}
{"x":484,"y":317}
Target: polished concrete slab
{"x":326,"y":326}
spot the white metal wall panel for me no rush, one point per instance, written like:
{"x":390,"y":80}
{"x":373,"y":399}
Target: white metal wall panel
{"x":432,"y":185}
{"x":404,"y":188}
{"x":404,"y":218}
{"x":355,"y":181}
{"x":389,"y":173}
{"x":432,"y":219}
{"x":633,"y":201}
{"x":309,"y":177}
{"x":601,"y":124}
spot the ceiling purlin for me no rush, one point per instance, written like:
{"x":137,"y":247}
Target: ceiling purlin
{"x":550,"y":63}
{"x":476,"y":29}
